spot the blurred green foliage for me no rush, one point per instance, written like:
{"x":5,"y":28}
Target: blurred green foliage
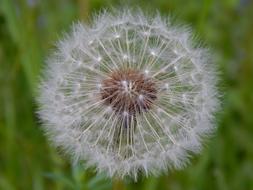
{"x":28,"y":30}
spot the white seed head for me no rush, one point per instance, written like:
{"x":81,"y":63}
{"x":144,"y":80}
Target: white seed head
{"x":129,"y":94}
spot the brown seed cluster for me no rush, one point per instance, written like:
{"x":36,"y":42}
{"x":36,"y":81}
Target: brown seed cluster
{"x":128,"y":91}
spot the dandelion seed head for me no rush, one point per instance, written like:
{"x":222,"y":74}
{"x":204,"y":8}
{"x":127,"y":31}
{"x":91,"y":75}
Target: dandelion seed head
{"x":129,"y":94}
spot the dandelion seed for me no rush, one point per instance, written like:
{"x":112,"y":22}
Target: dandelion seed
{"x":153,"y":53}
{"x":99,"y":59}
{"x":166,"y":86}
{"x":137,"y":110}
{"x":125,"y":57}
{"x":117,"y":36}
{"x":90,"y":42}
{"x":99,"y":85}
{"x":146,"y":71}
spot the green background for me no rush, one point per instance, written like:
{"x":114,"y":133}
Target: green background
{"x":28,"y":31}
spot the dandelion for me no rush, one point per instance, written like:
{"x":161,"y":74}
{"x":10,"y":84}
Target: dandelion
{"x":130,"y":94}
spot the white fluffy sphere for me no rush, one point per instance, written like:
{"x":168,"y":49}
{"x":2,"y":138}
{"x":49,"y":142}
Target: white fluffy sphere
{"x":128,"y":94}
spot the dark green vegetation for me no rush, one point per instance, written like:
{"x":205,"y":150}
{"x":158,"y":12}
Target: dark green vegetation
{"x":28,"y":29}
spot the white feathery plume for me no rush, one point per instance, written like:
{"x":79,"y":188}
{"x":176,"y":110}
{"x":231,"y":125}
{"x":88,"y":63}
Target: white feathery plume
{"x":129,"y":94}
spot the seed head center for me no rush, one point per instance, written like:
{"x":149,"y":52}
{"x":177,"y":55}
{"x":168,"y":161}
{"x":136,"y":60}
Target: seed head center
{"x":128,"y":91}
